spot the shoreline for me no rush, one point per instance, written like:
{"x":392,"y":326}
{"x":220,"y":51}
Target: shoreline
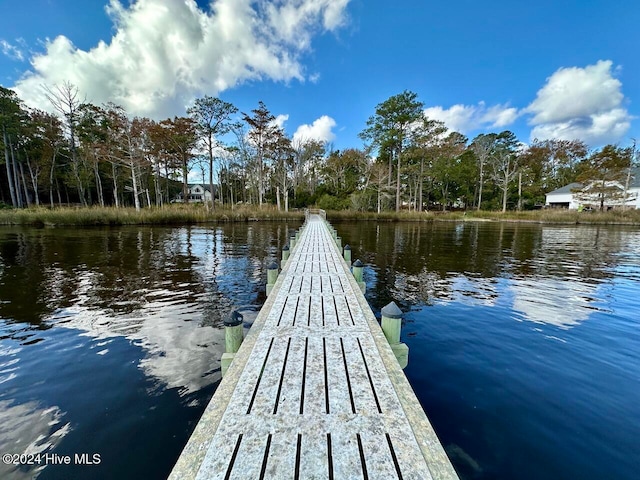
{"x":123,"y":216}
{"x":548,"y":217}
{"x":197,"y":214}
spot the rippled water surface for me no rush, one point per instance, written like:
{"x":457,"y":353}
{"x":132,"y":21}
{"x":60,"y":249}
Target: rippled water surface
{"x":110,"y":339}
{"x":524,"y":340}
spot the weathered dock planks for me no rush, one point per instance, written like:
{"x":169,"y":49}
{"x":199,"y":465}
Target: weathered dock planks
{"x":315,"y":391}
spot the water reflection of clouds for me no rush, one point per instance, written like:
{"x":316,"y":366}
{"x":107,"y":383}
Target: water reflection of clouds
{"x":568,"y":278}
{"x":180,"y":351}
{"x":30,"y":429}
{"x":169,"y":298}
{"x":8,"y":363}
{"x":559,"y":302}
{"x":25,"y":427}
{"x":475,"y":290}
{"x":429,"y":287}
{"x":165,"y":291}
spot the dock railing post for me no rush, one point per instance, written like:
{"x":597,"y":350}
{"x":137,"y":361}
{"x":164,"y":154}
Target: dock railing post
{"x":358,"y":267}
{"x":285,"y":253}
{"x":347,"y":254}
{"x":339,"y":242}
{"x":272,"y":276}
{"x":392,"y":327}
{"x":292,"y":242}
{"x":233,"y":337}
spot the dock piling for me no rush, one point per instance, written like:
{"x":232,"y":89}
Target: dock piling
{"x":272,"y":276}
{"x":347,"y":254}
{"x":358,"y":267}
{"x":233,"y":337}
{"x":392,"y":326}
{"x":285,"y":253}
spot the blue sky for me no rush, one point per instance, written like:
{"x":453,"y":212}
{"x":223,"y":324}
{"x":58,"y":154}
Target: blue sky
{"x":551,"y":68}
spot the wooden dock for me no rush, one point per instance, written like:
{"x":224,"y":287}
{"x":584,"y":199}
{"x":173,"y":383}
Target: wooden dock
{"x":315,"y":391}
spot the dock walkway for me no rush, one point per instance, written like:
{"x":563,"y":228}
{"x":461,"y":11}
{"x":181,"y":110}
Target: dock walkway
{"x":315,"y":391}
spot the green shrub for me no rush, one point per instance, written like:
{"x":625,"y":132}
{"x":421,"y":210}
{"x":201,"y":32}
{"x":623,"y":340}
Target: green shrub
{"x":329,"y":202}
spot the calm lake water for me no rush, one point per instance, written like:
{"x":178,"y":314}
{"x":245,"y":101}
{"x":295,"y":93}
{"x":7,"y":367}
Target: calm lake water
{"x":524,"y":340}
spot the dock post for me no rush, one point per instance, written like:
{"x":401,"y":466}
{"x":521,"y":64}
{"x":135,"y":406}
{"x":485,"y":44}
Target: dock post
{"x":357,"y":273}
{"x":285,"y":253}
{"x":392,"y":326}
{"x":272,"y":276}
{"x":232,"y":339}
{"x":292,"y":242}
{"x":347,"y":254}
{"x":339,"y":242}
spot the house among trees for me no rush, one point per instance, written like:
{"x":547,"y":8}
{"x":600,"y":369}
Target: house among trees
{"x":91,"y":154}
{"x":197,"y":192}
{"x":605,"y":194}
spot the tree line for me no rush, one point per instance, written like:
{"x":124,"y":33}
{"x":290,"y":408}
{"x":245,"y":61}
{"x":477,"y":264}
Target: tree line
{"x":91,"y":154}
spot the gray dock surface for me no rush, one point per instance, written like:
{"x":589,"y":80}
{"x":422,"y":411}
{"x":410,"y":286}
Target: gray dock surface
{"x":315,"y":391}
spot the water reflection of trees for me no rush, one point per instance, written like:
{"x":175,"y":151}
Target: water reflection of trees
{"x":42,"y":271}
{"x":422,"y":263}
{"x":156,"y":286}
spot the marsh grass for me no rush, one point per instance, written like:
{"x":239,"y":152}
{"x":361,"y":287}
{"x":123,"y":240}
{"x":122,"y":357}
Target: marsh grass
{"x":350,"y":215}
{"x":198,"y":214}
{"x":613,"y":217}
{"x":167,"y":215}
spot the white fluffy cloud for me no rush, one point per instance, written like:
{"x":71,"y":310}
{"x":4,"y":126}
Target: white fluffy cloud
{"x":320,"y":129}
{"x":12,"y":51}
{"x":280,"y":120}
{"x":467,"y":118}
{"x":575,"y":103}
{"x":165,"y":52}
{"x":293,"y":19}
{"x":581,"y":103}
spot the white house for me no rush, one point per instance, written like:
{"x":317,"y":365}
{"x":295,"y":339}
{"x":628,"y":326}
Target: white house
{"x":564,"y":197}
{"x":197,"y":193}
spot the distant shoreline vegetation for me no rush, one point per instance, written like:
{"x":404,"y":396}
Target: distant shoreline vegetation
{"x":97,"y":155}
{"x":198,"y":214}
{"x":548,"y":216}
{"x":166,"y":215}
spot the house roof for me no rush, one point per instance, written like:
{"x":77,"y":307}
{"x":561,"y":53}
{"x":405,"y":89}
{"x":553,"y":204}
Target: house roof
{"x":633,"y":183}
{"x":203,"y":185}
{"x":565,"y":189}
